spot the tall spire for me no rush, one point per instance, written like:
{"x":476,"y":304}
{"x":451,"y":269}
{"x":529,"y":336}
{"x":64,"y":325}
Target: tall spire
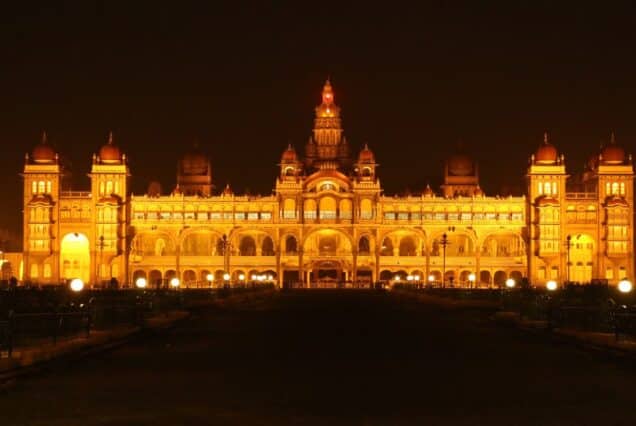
{"x":612,"y":138}
{"x":44,"y":138}
{"x":110,"y":137}
{"x":545,"y":137}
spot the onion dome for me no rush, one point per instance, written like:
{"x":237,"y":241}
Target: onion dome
{"x":289,"y":155}
{"x":194,"y":162}
{"x":546,"y":153}
{"x":366,"y":155}
{"x":43,"y":153}
{"x":461,"y":165}
{"x":547,"y":201}
{"x":428,"y":192}
{"x":613,"y":153}
{"x":109,"y":153}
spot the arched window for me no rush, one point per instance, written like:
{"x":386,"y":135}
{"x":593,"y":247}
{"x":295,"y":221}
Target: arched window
{"x":614,"y":188}
{"x":267,"y":248}
{"x":109,"y":187}
{"x":408,"y":247}
{"x":289,"y":208}
{"x":364,"y":248}
{"x":366,"y":209}
{"x":291,"y":246}
{"x":345,"y":209}
{"x":327,"y":208}
{"x":41,"y":187}
{"x":387,"y":247}
{"x":310,"y":209}
{"x":247,"y":246}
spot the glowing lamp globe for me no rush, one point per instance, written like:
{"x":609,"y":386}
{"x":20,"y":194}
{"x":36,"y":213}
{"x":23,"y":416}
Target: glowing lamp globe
{"x":510,"y":283}
{"x":226,"y":276}
{"x":471,"y":278}
{"x":409,"y":277}
{"x":241,"y":277}
{"x":209,"y":277}
{"x":175,"y":282}
{"x":431,"y":278}
{"x":551,"y":285}
{"x":77,"y":284}
{"x":625,"y":286}
{"x":141,"y":283}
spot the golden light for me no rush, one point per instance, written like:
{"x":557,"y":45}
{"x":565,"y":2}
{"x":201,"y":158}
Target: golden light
{"x":254,"y":277}
{"x":209,"y":277}
{"x":397,"y":278}
{"x":141,"y":282}
{"x":431,"y":278}
{"x":625,"y":286}
{"x":77,"y":284}
{"x":510,"y":283}
{"x":409,"y":277}
{"x":471,"y":278}
{"x":175,"y":282}
{"x":416,"y":277}
{"x":226,"y":276}
{"x":551,"y":285}
{"x":241,"y":277}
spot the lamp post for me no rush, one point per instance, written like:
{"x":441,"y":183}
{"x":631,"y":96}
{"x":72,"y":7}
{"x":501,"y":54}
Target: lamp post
{"x":444,"y":242}
{"x":98,"y":271}
{"x":568,"y":245}
{"x":226,"y":258}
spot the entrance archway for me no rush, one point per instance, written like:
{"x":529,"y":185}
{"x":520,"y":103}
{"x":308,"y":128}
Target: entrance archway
{"x":75,"y":258}
{"x":581,"y":257}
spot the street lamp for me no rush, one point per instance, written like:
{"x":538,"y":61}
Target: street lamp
{"x":510,"y":283}
{"x":174,"y":282}
{"x":209,"y":278}
{"x":77,"y":285}
{"x":141,"y":282}
{"x":471,"y":279}
{"x":226,"y":279}
{"x":625,"y":286}
{"x":551,"y":285}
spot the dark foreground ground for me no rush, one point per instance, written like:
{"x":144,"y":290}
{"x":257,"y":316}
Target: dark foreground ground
{"x":332,"y":358}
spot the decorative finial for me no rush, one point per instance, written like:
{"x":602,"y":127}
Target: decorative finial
{"x":44,"y":138}
{"x":545,"y":137}
{"x":612,"y":138}
{"x":110,"y":137}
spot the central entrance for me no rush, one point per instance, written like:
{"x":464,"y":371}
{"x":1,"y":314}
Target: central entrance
{"x":326,"y":274}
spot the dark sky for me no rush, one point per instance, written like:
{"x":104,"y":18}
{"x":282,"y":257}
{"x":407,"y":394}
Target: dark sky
{"x":411,"y":80}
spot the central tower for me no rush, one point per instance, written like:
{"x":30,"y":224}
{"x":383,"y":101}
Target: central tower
{"x":327,"y":148}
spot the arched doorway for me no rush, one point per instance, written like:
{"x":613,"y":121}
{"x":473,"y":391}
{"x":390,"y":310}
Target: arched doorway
{"x":75,"y":258}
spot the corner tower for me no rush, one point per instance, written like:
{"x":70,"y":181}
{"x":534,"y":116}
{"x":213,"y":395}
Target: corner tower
{"x":109,"y":192}
{"x":42,"y":175}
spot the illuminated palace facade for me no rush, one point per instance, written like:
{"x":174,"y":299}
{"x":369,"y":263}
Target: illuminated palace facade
{"x":328,"y":221}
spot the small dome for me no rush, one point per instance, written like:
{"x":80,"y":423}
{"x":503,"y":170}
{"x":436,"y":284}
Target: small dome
{"x":460,"y":165}
{"x":428,"y":192}
{"x":612,"y":153}
{"x":366,"y":155}
{"x":228,"y":190}
{"x":43,"y":153}
{"x":194,"y":163}
{"x":289,"y":155}
{"x":109,"y":153}
{"x":546,"y":153}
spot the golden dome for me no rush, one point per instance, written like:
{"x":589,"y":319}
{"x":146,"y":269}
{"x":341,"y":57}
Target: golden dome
{"x":613,"y":153}
{"x":43,"y":153}
{"x":546,"y":153}
{"x":289,"y":155}
{"x":460,"y":165}
{"x":109,"y":153}
{"x":366,"y":155}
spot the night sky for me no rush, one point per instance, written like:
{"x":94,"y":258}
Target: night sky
{"x":411,"y":80}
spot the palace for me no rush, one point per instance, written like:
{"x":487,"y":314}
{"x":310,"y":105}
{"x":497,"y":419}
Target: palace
{"x":328,"y":221}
